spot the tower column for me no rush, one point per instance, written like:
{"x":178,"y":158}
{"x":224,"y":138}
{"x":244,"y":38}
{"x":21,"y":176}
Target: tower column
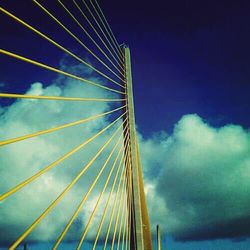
{"x":136,"y":214}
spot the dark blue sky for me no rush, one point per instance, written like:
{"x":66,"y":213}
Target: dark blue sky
{"x":188,"y":57}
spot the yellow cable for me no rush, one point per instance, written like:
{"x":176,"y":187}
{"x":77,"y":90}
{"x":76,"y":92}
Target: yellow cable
{"x":59,"y":98}
{"x":107,"y":203}
{"x":117,"y":216}
{"x":50,"y":40}
{"x":91,"y":13}
{"x":85,"y":197}
{"x":132,"y":201}
{"x":91,"y":25}
{"x":56,"y":201}
{"x":117,"y":219}
{"x":114,"y":39}
{"x":98,"y":201}
{"x":121,"y":221}
{"x":112,"y":216}
{"x":95,"y":209}
{"x":113,"y":47}
{"x":128,"y":199}
{"x":130,"y":216}
{"x":117,"y":50}
{"x":131,"y":208}
{"x":76,"y":38}
{"x":55,"y":163}
{"x":50,"y":130}
{"x":132,"y":205}
{"x":25,"y":59}
{"x":126,"y":218}
{"x":89,"y":36}
{"x":125,"y":228}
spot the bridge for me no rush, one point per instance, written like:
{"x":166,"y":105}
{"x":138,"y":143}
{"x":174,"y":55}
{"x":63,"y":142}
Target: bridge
{"x":123,"y":221}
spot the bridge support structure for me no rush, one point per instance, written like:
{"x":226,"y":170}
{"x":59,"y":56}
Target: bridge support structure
{"x":140,"y":236}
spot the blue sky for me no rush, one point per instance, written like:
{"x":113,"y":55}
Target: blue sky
{"x":191,"y":80}
{"x":195,"y":55}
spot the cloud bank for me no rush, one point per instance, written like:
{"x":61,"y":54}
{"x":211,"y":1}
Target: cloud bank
{"x":196,"y":179}
{"x":201,"y":188}
{"x":19,"y":161}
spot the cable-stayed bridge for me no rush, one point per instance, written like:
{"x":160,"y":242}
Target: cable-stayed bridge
{"x":123,"y":221}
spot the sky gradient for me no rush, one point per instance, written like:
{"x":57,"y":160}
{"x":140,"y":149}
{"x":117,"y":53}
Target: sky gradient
{"x":191,"y":92}
{"x":196,"y":57}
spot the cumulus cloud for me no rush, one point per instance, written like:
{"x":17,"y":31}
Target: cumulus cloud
{"x":201,"y":187}
{"x":21,"y":160}
{"x":196,"y":179}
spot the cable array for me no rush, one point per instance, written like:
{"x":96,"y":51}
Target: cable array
{"x":112,"y":159}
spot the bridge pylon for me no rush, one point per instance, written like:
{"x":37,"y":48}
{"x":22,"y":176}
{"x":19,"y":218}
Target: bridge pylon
{"x":140,"y":236}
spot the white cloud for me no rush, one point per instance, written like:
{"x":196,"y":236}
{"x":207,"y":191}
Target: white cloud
{"x":202,"y":175}
{"x":196,"y":179}
{"x":21,"y":160}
